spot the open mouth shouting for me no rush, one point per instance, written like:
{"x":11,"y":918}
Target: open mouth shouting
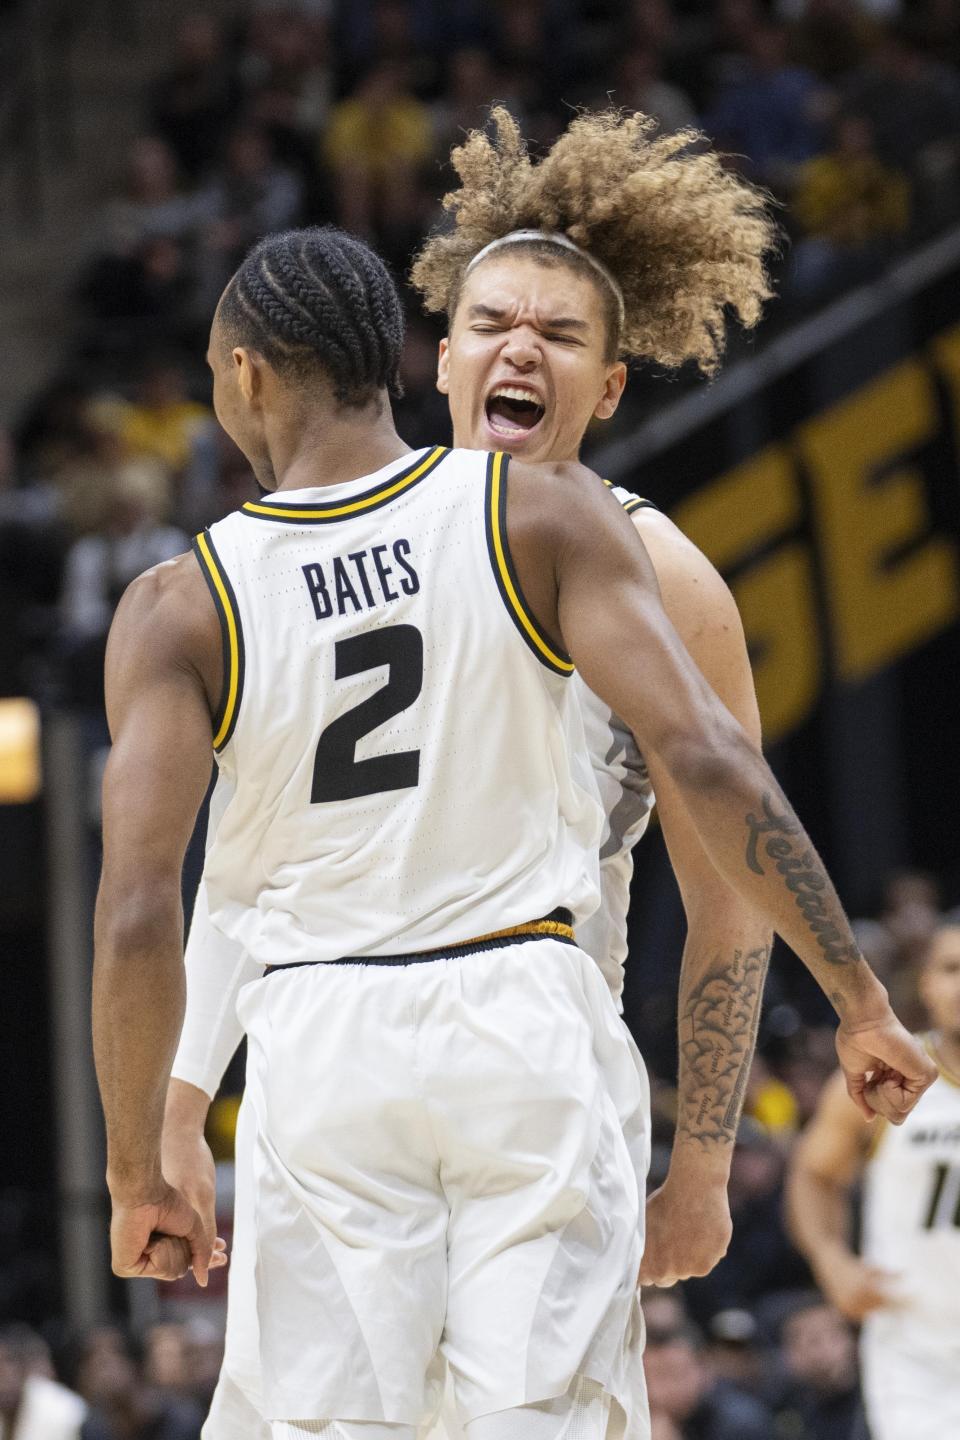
{"x":513,"y":412}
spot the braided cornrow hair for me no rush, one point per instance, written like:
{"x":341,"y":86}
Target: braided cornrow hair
{"x":314,"y":300}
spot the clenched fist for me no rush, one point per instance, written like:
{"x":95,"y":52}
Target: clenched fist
{"x":688,"y":1231}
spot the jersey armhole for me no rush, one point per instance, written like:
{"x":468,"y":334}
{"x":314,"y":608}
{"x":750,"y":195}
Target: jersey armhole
{"x":231,"y":635}
{"x":628,"y":501}
{"x":498,"y":549}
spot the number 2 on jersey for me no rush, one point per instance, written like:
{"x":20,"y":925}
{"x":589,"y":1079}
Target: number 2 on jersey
{"x":337,"y":773}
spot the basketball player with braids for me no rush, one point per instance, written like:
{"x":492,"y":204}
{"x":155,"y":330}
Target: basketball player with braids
{"x":667,"y":239}
{"x":688,"y":1222}
{"x":904,"y":1286}
{"x":448,"y":1146}
{"x":298,"y":330}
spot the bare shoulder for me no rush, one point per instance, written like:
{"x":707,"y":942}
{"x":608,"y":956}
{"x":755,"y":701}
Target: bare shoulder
{"x":166,"y":619}
{"x":686,"y":576}
{"x":168,"y":600}
{"x":563,"y":496}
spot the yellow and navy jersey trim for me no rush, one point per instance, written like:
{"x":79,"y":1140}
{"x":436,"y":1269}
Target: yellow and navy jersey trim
{"x":631,"y":502}
{"x":324,"y":512}
{"x":505,"y":574}
{"x":231,"y":634}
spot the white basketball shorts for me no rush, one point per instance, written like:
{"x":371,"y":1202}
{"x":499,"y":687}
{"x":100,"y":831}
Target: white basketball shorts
{"x":911,"y":1378}
{"x":440,"y":1165}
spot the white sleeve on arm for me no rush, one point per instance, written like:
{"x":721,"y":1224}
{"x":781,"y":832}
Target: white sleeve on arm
{"x":217,"y":969}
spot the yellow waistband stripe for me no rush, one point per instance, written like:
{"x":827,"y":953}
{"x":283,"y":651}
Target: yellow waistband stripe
{"x":531,"y":927}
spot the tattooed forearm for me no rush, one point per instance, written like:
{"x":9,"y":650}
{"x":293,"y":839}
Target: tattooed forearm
{"x":718,"y":1031}
{"x":805,"y":877}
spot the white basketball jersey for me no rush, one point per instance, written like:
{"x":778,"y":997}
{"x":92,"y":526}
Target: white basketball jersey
{"x":402,"y":756}
{"x":626,"y":795}
{"x":911,"y":1210}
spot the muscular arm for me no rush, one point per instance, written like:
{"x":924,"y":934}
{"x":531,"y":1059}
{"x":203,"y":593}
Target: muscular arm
{"x":163,"y":642}
{"x":727,"y":945}
{"x":728,"y":942}
{"x":826,"y":1164}
{"x":589,"y":580}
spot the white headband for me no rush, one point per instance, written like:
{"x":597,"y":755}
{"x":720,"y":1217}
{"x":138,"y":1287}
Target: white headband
{"x":554,"y":237}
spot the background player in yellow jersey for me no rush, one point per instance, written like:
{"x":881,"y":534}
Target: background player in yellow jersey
{"x":904,"y":1284}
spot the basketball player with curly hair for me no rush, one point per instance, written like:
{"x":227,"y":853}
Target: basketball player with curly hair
{"x":539,"y":323}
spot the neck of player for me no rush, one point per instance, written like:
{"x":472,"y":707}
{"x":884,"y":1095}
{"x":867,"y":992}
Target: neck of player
{"x":321,"y":444}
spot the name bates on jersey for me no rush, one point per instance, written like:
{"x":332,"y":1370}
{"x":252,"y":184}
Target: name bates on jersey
{"x":402,"y":758}
{"x":361,"y":580}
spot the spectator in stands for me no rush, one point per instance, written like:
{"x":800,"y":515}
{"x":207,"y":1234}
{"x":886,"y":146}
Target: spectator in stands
{"x":56,"y":427}
{"x":204,"y":1358}
{"x":155,"y":284}
{"x":830,"y":37}
{"x":122,"y":1404}
{"x":472,"y":78}
{"x":376,"y":141}
{"x":289,"y":76}
{"x":33,"y":1406}
{"x":251,"y":196}
{"x":809,"y":1061}
{"x":163,"y":420}
{"x":193,"y":103}
{"x":217,"y":480}
{"x":423,"y":416}
{"x":688,"y":1403}
{"x":529,"y":42}
{"x":154,"y":204}
{"x":913,"y":105}
{"x":821,"y":1399}
{"x":130,"y":538}
{"x":664,"y":1311}
{"x":767,"y":118}
{"x":166,"y":1365}
{"x":760,"y":1258}
{"x":770,"y":1102}
{"x":641,"y":86}
{"x":733,"y":1352}
{"x":850,"y":208}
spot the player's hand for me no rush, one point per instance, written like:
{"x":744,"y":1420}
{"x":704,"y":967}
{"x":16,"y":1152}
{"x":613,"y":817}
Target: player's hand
{"x":885,"y":1068}
{"x":189,"y":1166}
{"x":161,"y":1239}
{"x":856,"y":1288}
{"x":688,"y":1231}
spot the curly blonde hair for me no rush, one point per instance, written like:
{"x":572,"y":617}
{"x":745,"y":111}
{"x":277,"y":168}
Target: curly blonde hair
{"x":683,"y":237}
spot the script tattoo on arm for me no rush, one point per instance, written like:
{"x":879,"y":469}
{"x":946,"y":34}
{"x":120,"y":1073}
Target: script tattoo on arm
{"x":718,"y":1032}
{"x":804,"y":876}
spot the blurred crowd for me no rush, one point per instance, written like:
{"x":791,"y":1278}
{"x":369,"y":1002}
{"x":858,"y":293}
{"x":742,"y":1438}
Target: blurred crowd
{"x":108,"y":1384}
{"x":848,"y":111}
